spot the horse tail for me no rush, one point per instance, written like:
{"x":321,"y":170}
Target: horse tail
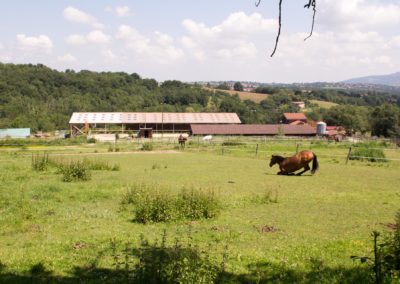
{"x":315,"y":164}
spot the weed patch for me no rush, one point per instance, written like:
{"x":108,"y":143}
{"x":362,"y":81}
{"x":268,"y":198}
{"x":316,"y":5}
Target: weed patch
{"x":75,"y":171}
{"x":39,"y":162}
{"x":152,"y":205}
{"x":368,"y":154}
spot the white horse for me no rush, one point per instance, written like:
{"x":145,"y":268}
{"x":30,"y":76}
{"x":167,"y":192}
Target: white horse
{"x":207,"y":138}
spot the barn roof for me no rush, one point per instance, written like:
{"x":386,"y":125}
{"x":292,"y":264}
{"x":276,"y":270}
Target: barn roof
{"x":153,"y":117}
{"x":252,"y":129}
{"x":295,"y":116}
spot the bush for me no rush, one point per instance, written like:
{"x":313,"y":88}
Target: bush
{"x":75,"y":171}
{"x":232,"y":143}
{"x":147,"y":146}
{"x":368,"y":154}
{"x":91,"y":140}
{"x":196,"y":204}
{"x":152,"y":205}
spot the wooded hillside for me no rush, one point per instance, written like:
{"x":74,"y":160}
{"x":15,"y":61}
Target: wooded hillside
{"x":38,"y":97}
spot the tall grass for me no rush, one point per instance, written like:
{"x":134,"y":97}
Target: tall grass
{"x":39,"y":162}
{"x":75,"y":171}
{"x":153,"y":205}
{"x":368,"y":154}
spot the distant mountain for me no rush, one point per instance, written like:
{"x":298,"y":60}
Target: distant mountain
{"x":389,"y":80}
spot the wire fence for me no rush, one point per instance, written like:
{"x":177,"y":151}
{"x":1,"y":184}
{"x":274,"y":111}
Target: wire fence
{"x":247,"y":147}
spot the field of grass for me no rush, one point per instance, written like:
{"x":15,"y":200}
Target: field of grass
{"x":50,"y":229}
{"x":324,"y":104}
{"x":255,"y":97}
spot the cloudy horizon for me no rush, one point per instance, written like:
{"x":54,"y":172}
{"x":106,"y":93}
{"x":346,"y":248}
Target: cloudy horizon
{"x":191,"y":41}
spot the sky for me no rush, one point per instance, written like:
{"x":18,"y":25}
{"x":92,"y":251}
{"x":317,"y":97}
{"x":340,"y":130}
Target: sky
{"x":207,"y":40}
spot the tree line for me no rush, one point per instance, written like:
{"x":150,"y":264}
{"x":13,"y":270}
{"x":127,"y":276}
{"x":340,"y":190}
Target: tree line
{"x":40,"y":98}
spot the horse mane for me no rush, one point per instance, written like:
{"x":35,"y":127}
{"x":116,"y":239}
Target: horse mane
{"x":279,"y":158}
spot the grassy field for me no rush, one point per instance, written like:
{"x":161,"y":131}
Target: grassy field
{"x":61,"y":231}
{"x":324,"y":104}
{"x":255,"y":97}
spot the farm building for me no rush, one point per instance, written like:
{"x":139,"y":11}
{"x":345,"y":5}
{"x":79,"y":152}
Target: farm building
{"x":301,"y":105}
{"x":15,"y":133}
{"x":144,"y":123}
{"x":253,"y":129}
{"x":294,"y":118}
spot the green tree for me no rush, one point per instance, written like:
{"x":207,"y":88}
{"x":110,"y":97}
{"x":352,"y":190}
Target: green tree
{"x":238,"y":87}
{"x":385,"y":121}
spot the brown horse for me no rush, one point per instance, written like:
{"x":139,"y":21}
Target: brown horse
{"x":182,"y":141}
{"x":289,"y":165}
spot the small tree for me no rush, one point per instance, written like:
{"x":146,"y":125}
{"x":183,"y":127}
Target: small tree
{"x":238,"y":87}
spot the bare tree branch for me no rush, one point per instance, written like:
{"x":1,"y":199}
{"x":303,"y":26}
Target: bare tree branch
{"x":313,"y":4}
{"x":279,"y":30}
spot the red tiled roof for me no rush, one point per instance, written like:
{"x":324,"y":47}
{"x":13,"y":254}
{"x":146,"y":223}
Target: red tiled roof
{"x":252,"y":129}
{"x":297,"y":122}
{"x":295,"y":116}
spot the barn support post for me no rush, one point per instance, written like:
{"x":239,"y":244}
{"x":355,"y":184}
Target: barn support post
{"x":348,"y":156}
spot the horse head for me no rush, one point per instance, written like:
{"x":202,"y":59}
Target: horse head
{"x":273,"y":161}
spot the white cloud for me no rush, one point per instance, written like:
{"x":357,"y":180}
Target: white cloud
{"x":109,"y":55}
{"x":76,"y":39}
{"x":357,"y":14}
{"x":159,"y":47}
{"x":98,"y":36}
{"x":41,"y":42}
{"x":95,"y":36}
{"x":67,"y":58}
{"x":77,"y":16}
{"x":395,"y":41}
{"x":122,"y":11}
{"x":234,"y":37}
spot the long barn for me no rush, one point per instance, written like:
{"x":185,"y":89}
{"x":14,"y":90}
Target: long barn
{"x":145,"y":123}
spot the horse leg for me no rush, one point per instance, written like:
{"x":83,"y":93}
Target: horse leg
{"x":306,"y":168}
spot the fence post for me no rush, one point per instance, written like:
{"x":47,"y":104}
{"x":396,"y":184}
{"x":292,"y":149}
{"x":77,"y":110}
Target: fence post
{"x":348,"y":156}
{"x":222,"y":150}
{"x":297,"y":147}
{"x":257,"y":150}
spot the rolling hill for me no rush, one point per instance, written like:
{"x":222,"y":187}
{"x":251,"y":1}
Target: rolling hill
{"x":389,"y":80}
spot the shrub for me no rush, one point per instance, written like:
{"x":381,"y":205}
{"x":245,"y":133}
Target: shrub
{"x":147,"y":146}
{"x":232,"y":143}
{"x":196,"y":204}
{"x":368,"y":154}
{"x":40,"y":163}
{"x":153,"y":205}
{"x":75,"y":171}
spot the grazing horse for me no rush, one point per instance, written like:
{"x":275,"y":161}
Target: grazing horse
{"x":289,"y":165}
{"x":182,"y":141}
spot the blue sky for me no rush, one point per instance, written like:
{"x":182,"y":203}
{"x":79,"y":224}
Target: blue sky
{"x":205,"y":40}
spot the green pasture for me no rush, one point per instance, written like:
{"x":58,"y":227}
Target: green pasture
{"x":317,"y":223}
